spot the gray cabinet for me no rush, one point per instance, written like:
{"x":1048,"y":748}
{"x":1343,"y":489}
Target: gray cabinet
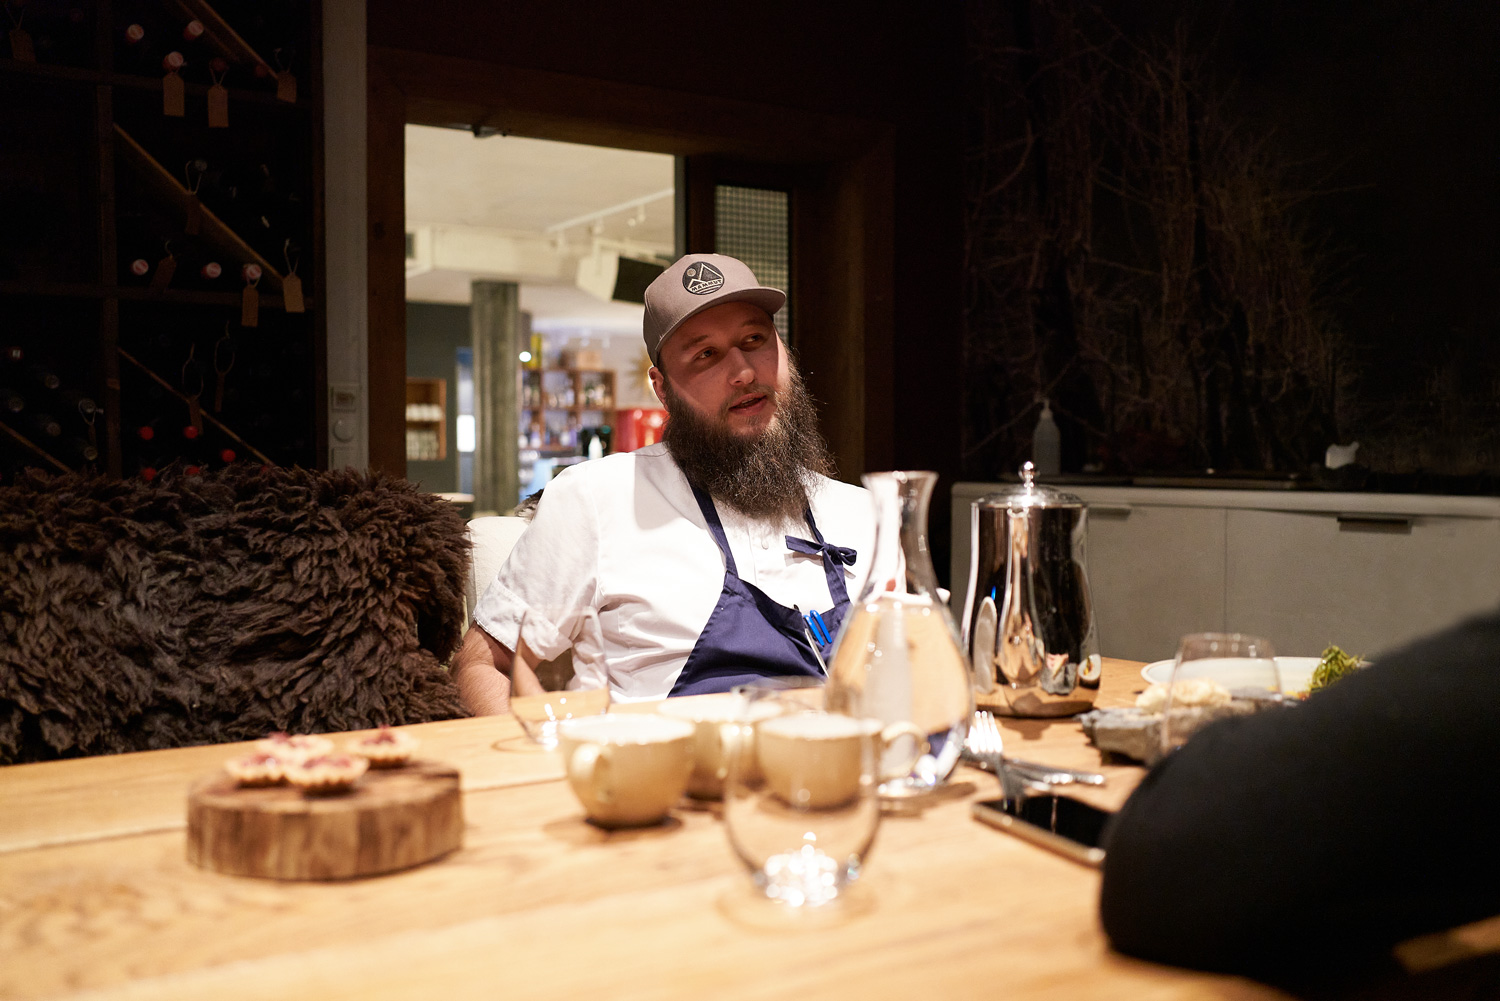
{"x":1365,"y":571}
{"x":1155,"y":572}
{"x":1308,"y":579}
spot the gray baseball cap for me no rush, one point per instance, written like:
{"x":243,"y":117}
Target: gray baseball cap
{"x":695,"y":283}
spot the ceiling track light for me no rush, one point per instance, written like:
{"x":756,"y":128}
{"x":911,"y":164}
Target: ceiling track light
{"x":595,"y":220}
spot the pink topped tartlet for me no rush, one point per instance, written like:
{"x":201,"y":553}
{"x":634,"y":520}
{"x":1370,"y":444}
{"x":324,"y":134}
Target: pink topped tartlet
{"x":385,"y":748}
{"x":291,"y":749}
{"x":326,"y":773}
{"x":258,"y":769}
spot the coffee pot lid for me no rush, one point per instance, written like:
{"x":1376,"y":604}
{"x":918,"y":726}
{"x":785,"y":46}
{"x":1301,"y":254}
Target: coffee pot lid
{"x":1029,"y":493}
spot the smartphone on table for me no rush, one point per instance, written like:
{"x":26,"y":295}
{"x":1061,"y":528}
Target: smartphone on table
{"x":1061,"y":824}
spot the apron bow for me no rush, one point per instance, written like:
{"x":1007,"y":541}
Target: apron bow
{"x":838,"y":555}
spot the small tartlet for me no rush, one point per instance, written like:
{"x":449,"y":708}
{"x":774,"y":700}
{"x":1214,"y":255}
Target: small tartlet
{"x":326,"y":773}
{"x":293,"y":748}
{"x":385,"y":748}
{"x":257,"y":769}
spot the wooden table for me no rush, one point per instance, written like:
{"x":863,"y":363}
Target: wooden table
{"x":97,"y":900}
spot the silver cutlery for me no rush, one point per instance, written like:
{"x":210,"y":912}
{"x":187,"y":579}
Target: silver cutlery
{"x":986,"y":748}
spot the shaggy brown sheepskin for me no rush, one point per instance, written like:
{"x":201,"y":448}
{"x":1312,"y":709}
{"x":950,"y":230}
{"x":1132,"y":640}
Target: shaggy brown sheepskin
{"x":200,"y":609}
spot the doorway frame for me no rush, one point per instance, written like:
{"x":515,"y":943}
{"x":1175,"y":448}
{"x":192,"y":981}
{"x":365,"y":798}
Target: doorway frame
{"x":840,"y":169}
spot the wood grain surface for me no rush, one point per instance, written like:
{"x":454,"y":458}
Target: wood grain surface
{"x":538,"y":902}
{"x":393,"y":819}
{"x":58,"y":802}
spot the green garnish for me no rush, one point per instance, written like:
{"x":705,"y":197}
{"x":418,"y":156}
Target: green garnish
{"x":1333,"y":665}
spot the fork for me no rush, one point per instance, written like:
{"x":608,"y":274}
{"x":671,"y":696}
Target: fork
{"x":987,"y":747}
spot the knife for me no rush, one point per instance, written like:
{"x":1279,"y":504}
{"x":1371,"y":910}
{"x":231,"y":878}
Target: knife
{"x":1032,"y":770}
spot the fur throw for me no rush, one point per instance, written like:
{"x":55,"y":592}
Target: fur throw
{"x":201,"y":609}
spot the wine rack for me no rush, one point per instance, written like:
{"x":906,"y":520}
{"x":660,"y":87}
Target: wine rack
{"x":161,"y":242}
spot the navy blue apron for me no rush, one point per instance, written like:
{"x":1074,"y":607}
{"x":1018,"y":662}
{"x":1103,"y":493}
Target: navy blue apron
{"x":748,"y":636}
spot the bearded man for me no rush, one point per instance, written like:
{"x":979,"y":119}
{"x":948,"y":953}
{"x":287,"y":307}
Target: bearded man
{"x":702,"y":558}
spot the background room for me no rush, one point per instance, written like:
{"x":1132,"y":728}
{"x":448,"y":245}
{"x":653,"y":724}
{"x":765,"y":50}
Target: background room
{"x":558,"y":240}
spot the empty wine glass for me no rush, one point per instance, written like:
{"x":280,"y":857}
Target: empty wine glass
{"x":1216,"y":675}
{"x":558,"y":672}
{"x":800,"y":804}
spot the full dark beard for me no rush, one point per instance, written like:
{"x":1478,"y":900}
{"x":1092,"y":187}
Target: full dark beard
{"x":763,"y":475}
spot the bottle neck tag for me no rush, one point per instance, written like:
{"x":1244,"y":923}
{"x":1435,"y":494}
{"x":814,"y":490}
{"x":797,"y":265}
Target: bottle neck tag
{"x":162,"y":276}
{"x":249,"y":306}
{"x":20,"y":46}
{"x":218,"y":106}
{"x":291,"y":294}
{"x":173,"y":96}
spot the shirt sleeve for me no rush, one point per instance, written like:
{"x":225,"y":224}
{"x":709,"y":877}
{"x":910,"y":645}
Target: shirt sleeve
{"x":550,"y":581}
{"x":1308,"y":837}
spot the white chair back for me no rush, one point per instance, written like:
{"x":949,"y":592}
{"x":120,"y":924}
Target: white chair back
{"x":491,"y":539}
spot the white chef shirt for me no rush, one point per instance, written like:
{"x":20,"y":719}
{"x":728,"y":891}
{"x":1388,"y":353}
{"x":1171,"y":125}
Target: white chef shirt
{"x":624,"y":535}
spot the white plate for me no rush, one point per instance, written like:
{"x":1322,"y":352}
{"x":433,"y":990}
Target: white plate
{"x":1296,"y":673}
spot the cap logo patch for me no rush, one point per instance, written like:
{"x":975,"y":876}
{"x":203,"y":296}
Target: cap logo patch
{"x":702,"y":278}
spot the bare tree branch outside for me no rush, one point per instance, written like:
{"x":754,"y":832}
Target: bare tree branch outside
{"x":1139,"y":259}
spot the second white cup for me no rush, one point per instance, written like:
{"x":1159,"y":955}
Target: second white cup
{"x":817,"y":760}
{"x":627,"y":770}
{"x":721,"y":722}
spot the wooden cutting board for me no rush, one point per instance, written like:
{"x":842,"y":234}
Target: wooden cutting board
{"x":393,"y":819}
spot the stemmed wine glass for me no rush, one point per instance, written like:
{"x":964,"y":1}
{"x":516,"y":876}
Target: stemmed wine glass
{"x":547,"y":689}
{"x":1216,"y":675}
{"x":800,"y":802}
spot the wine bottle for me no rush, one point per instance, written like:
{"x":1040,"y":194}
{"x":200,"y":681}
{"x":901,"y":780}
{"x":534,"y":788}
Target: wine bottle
{"x":192,"y":264}
{"x":11,"y":402}
{"x":196,"y":454}
{"x":204,"y":64}
{"x":143,"y":35}
{"x":44,"y":425}
{"x":80,"y":450}
{"x":142,"y":451}
{"x":146,"y":237}
{"x":272,"y":29}
{"x":76,"y":402}
{"x":43,"y":376}
{"x":134,"y":49}
{"x":59,"y":35}
{"x":278,"y":207}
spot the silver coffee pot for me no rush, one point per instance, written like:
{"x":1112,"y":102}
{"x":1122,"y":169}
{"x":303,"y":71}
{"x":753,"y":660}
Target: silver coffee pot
{"x":1028,"y":623}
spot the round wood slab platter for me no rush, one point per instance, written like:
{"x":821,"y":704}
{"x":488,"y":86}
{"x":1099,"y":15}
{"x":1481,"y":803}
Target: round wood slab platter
{"x":393,"y":819}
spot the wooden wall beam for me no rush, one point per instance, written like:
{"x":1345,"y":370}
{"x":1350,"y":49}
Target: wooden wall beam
{"x":386,"y":183}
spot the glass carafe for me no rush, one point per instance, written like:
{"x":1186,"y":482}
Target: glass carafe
{"x":898,"y":657}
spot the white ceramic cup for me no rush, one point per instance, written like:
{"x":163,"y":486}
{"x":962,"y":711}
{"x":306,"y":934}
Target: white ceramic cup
{"x":627,"y":770}
{"x":719,"y":723}
{"x":816,"y":760}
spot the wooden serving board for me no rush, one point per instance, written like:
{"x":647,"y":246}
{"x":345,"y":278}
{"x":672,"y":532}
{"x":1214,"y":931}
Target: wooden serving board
{"x":393,"y":819}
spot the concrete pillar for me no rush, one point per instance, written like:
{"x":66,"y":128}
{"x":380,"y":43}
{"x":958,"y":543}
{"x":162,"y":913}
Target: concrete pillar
{"x":494,"y":317}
